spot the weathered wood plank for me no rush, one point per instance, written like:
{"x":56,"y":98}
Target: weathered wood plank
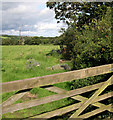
{"x":94,"y":112}
{"x":55,"y":89}
{"x":51,"y":98}
{"x":70,"y":108}
{"x":55,"y":78}
{"x":92,"y":98}
{"x":58,"y":112}
{"x":97,"y":104}
{"x":105,"y":96}
{"x":13,"y":99}
{"x":78,"y":97}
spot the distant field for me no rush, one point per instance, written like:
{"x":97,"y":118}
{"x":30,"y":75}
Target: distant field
{"x":15,"y":61}
{"x":3,"y":37}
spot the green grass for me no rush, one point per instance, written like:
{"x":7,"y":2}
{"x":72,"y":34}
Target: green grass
{"x":14,"y":60}
{"x":3,"y":37}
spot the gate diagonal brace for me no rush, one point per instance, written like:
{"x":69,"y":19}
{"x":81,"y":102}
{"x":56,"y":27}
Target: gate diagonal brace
{"x":92,"y":98}
{"x":79,"y":98}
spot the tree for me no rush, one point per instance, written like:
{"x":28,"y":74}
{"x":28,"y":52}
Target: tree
{"x":87,"y":41}
{"x":93,"y":45}
{"x":78,"y":13}
{"x":36,"y":40}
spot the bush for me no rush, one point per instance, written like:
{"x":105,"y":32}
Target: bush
{"x":90,"y":46}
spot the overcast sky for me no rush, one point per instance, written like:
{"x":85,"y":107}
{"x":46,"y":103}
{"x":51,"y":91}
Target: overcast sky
{"x":34,"y":19}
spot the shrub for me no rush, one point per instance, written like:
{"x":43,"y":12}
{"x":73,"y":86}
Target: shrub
{"x":90,"y":46}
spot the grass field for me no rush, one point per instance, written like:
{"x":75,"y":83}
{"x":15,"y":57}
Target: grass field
{"x":14,"y":62}
{"x":3,"y":37}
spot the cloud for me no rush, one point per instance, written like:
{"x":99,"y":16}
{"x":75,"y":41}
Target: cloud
{"x":33,"y":18}
{"x":46,"y":26}
{"x":23,"y":13}
{"x":46,"y":11}
{"x":9,"y":5}
{"x":30,"y":1}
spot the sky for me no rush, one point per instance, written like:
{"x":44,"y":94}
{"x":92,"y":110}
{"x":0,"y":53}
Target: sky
{"x":33,"y":18}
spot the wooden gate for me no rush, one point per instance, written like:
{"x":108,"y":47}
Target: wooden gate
{"x":18,"y":85}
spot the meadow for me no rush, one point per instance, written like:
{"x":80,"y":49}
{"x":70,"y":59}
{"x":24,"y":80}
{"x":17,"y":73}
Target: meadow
{"x":15,"y":61}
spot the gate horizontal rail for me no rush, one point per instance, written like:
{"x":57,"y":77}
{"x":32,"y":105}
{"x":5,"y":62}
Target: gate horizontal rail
{"x":75,"y":94}
{"x":55,"y":78}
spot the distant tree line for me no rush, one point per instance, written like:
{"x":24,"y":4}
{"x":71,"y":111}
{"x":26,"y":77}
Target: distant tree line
{"x":27,"y":40}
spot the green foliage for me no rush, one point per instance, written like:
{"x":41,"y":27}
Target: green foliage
{"x":88,"y":37}
{"x":34,"y":41}
{"x":97,"y":47}
{"x":26,"y":40}
{"x":78,"y":13}
{"x":90,"y":46}
{"x":10,"y":40}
